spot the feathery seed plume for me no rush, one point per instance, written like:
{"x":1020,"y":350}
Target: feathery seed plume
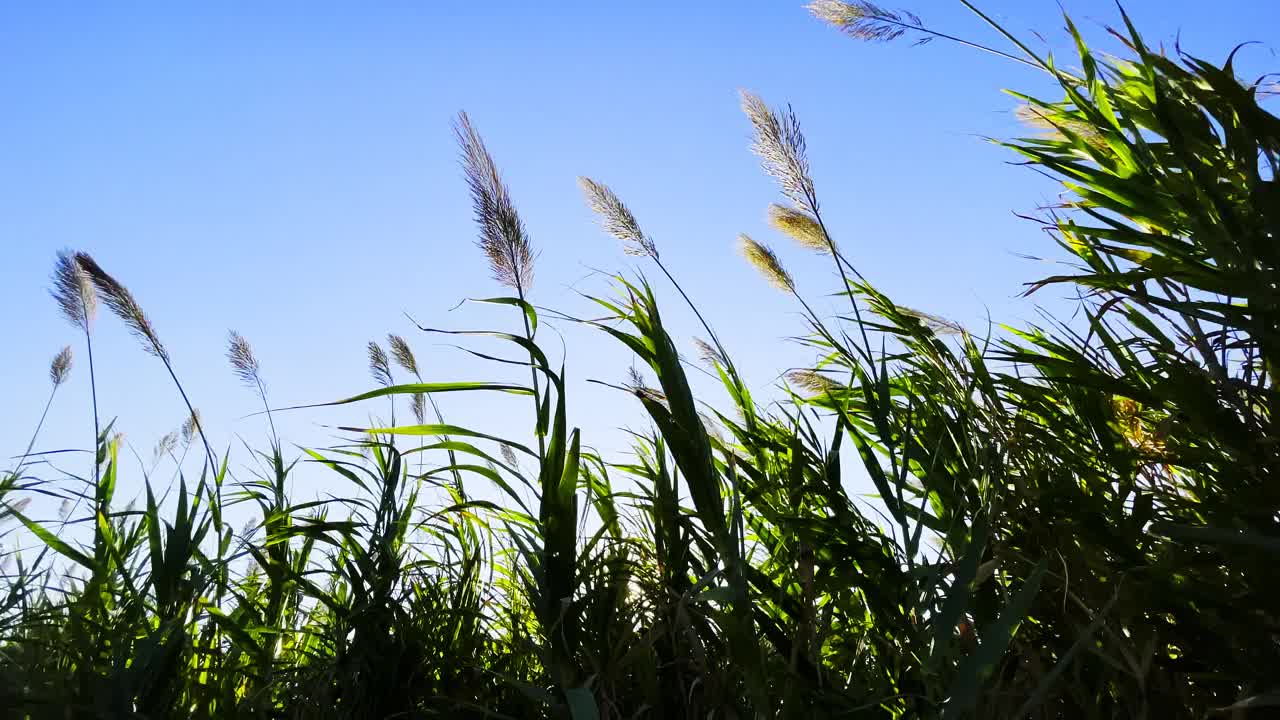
{"x":799,"y":226}
{"x":616,"y":218}
{"x":121,"y":302}
{"x":243,"y":362}
{"x":509,"y":455}
{"x":781,"y":147}
{"x":635,"y":383}
{"x":634,"y":379}
{"x":865,"y":20}
{"x":418,"y":404}
{"x":938,"y":325}
{"x":813,"y":381}
{"x":766,"y":262}
{"x":379,"y":364}
{"x":711,"y":426}
{"x":17,"y":506}
{"x":502,"y":234}
{"x":166,"y":445}
{"x":60,"y":366}
{"x":403,"y":355}
{"x":707,"y":353}
{"x":190,"y":427}
{"x":73,"y":291}
{"x":1054,"y":122}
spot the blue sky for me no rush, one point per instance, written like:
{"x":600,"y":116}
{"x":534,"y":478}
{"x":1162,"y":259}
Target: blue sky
{"x":287,"y":170}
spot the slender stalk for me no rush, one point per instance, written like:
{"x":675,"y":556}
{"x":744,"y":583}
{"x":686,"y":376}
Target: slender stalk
{"x":967,"y":43}
{"x":841,"y":261}
{"x":97,"y":432}
{"x":453,"y":457}
{"x":32,"y":443}
{"x":262,"y":393}
{"x":533,"y":369}
{"x":705,"y":325}
{"x":213,"y":465}
{"x":93,"y":393}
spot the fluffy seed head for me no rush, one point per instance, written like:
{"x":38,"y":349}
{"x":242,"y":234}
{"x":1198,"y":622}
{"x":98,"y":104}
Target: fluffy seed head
{"x":799,"y":226}
{"x":120,"y":301}
{"x":243,"y":362}
{"x":403,"y":354}
{"x":813,"y":381}
{"x":418,"y":404}
{"x":711,"y":426}
{"x":616,"y":218}
{"x":509,"y":455}
{"x":190,"y":427}
{"x":60,"y":366}
{"x":938,"y":325}
{"x":379,"y":364}
{"x":865,"y":20}
{"x":73,"y":291}
{"x":7,"y":512}
{"x":502,"y":234}
{"x":1054,"y":122}
{"x":764,"y":259}
{"x":166,"y":445}
{"x":707,"y":352}
{"x":781,"y":147}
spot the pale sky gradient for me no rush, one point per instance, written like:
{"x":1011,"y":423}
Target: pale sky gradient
{"x":287,"y":170}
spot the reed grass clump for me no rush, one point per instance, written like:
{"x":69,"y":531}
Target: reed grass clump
{"x":1074,"y":520}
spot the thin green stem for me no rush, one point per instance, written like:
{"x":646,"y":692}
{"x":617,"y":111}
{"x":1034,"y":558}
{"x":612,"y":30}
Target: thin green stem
{"x":967,"y":43}
{"x":533,"y":369}
{"x":93,"y":393}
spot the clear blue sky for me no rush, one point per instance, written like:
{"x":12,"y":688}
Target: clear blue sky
{"x":287,"y":169}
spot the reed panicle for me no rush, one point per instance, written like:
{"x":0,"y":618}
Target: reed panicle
{"x":767,"y":262}
{"x":122,"y":303}
{"x":78,"y":302}
{"x":781,"y":148}
{"x":616,"y":219}
{"x":191,"y":426}
{"x":813,"y":381}
{"x":634,"y":378}
{"x":418,"y":404}
{"x":799,"y":226}
{"x":865,"y":20}
{"x":708,"y":353}
{"x":165,"y":445}
{"x":60,"y":366}
{"x":936,"y":324}
{"x":73,"y":291}
{"x":245,"y":365}
{"x":403,"y":355}
{"x":509,"y":455}
{"x":243,"y":362}
{"x":1056,"y":125}
{"x":379,"y":365}
{"x":502,"y":233}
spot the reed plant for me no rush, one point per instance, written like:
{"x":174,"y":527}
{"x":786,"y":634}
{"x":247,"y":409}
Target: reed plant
{"x":1079,"y":519}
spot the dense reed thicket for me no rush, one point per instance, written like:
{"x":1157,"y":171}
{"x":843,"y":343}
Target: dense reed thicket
{"x":1080,"y":520}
